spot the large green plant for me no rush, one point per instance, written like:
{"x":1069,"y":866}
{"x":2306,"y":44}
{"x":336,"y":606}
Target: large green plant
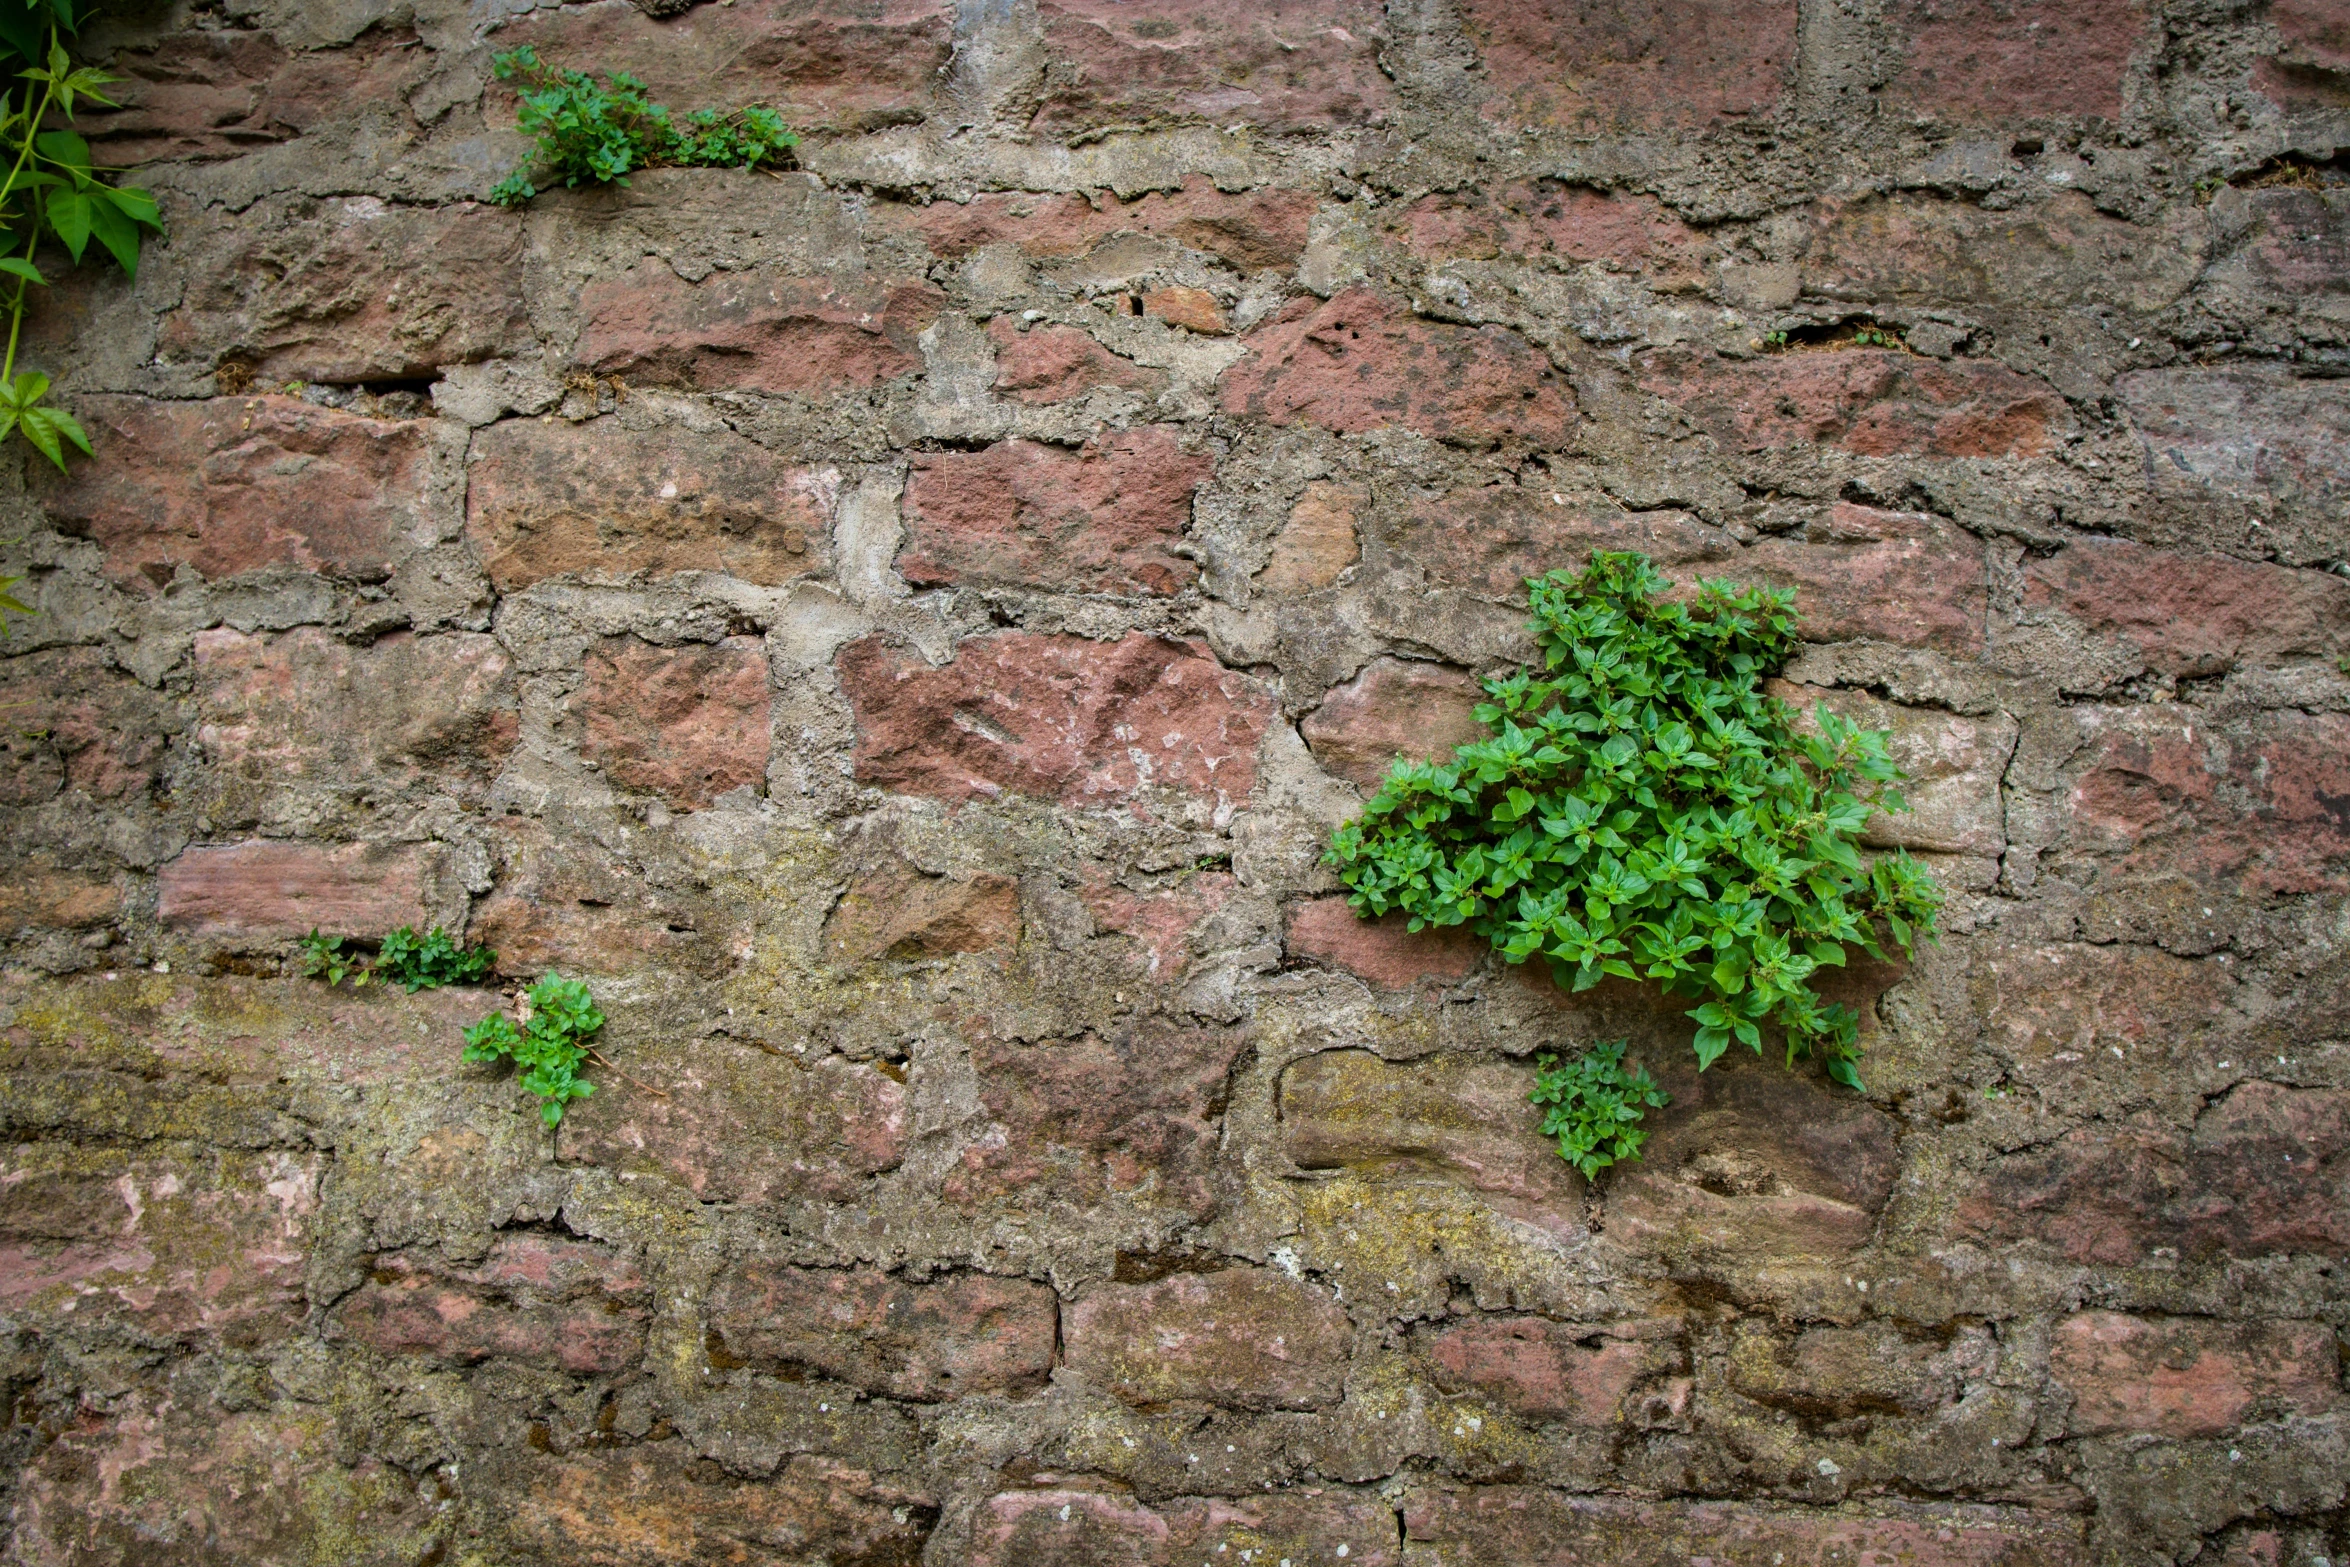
{"x":52,"y":192}
{"x":1646,"y":810}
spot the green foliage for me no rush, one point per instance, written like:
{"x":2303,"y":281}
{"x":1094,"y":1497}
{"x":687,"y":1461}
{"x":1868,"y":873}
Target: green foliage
{"x":52,"y":192}
{"x":10,"y":604}
{"x":550,"y":1045}
{"x":1594,"y":1107}
{"x":590,"y":134}
{"x":404,"y":958}
{"x":430,"y":961}
{"x":1877,"y":337}
{"x":1645,"y":810}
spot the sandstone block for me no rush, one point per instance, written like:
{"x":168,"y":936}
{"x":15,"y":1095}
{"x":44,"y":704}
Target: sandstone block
{"x":2064,"y":253}
{"x":2228,"y":447}
{"x":1544,"y":1370}
{"x":1871,"y":401}
{"x":1057,"y":718}
{"x":1384,"y":951}
{"x":235,"y":485}
{"x":1842,"y":1373}
{"x":1127,"y":1119}
{"x":823,"y":1127}
{"x":1193,"y":309}
{"x":1359,"y":363}
{"x":1162,"y":921}
{"x":1624,"y":230}
{"x":561,"y":901}
{"x":964,"y":1335}
{"x":1310,"y":64}
{"x":568,"y":1305}
{"x":1956,"y":766}
{"x":756,"y":331}
{"x":201,"y":95}
{"x":350,"y":289}
{"x":1650,"y":65}
{"x":305,"y":706}
{"x":78,"y":724}
{"x":1490,"y":540}
{"x":1243,"y":1337}
{"x":2189,"y":1377}
{"x":1908,"y":578}
{"x":897,"y":911}
{"x":1981,"y":60}
{"x":2192,"y":615}
{"x":41,"y":899}
{"x":687,"y":723}
{"x":1317,"y":543}
{"x":1051,"y":364}
{"x":652,"y":1505}
{"x":1251,"y":230}
{"x":1063,"y":1526}
{"x":273,"y":891}
{"x":1464,"y":1117}
{"x":1505,"y":1526}
{"x":1396,"y":708}
{"x":2316,"y":54}
{"x":1103,"y":519}
{"x":1057,"y":1527}
{"x":594,"y":500}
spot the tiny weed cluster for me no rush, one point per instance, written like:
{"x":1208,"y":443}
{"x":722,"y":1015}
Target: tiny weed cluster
{"x":404,"y":958}
{"x":1645,"y":810}
{"x":588,"y":134}
{"x":1594,"y":1106}
{"x":547,"y":1039}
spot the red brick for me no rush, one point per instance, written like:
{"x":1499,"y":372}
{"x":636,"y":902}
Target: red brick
{"x":1061,"y":1525}
{"x":567,"y":1305}
{"x":1289,"y":64}
{"x":1057,"y":718}
{"x":1360,"y":363}
{"x":1131,"y":1118}
{"x":1573,"y":221}
{"x":1871,"y":401}
{"x":238,"y":484}
{"x":1462,"y":1116}
{"x":1193,"y":309}
{"x":205,"y":94}
{"x":2239,"y":446}
{"x":599,"y":501}
{"x":824,"y":1125}
{"x":1998,"y":60}
{"x":1510,"y":1526}
{"x":187,"y":1482}
{"x":687,"y":723}
{"x":562,"y":901}
{"x":897,"y":911}
{"x":2045,"y":1008}
{"x":2298,"y":244}
{"x":272,"y":891}
{"x":304,"y":706}
{"x":858,"y":65}
{"x":1051,"y":364}
{"x":1162,"y":922}
{"x":1384,"y":951}
{"x":2188,"y":1377}
{"x":78,"y":724}
{"x":757,"y":331}
{"x":1249,"y":229}
{"x":1908,"y":578}
{"x":1543,"y":1369}
{"x":2251,"y":1180}
{"x":1318,"y":541}
{"x":964,"y":1335}
{"x":1603,"y":65}
{"x":654,"y":1505}
{"x":210,"y":1252}
{"x":1395,"y":708}
{"x":1103,"y":519}
{"x":38,"y":898}
{"x":2192,"y":615}
{"x":1245,"y":1337}
{"x":349,"y":289}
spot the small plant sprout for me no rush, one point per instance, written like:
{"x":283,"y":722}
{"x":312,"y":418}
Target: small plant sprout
{"x":1594,"y":1106}
{"x":586,"y":133}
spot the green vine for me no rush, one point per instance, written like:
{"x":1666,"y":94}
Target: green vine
{"x":53,"y":192}
{"x":589,"y":134}
{"x":1645,"y":810}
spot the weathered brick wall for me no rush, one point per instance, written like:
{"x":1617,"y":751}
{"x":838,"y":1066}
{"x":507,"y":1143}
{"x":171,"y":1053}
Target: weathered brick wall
{"x":903,"y":629}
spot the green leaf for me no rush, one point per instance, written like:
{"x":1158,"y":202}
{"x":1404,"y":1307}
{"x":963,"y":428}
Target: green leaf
{"x":117,"y":233}
{"x":71,"y":213}
{"x":19,"y":267}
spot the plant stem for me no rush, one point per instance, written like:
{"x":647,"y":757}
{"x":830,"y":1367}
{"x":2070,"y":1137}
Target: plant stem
{"x":32,"y":128}
{"x":599,"y":1058}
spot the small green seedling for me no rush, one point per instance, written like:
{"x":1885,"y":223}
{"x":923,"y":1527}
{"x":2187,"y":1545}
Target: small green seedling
{"x":405,"y":959}
{"x":547,"y":1040}
{"x":590,"y":134}
{"x":1594,"y":1106}
{"x":324,"y":957}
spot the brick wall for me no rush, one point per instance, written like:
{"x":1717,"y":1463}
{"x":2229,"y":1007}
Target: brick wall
{"x":902,"y":628}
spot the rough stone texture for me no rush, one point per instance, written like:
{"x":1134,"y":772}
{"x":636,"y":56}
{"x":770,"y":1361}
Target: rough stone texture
{"x":1104,"y":519}
{"x":902,"y":627}
{"x":595,"y":500}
